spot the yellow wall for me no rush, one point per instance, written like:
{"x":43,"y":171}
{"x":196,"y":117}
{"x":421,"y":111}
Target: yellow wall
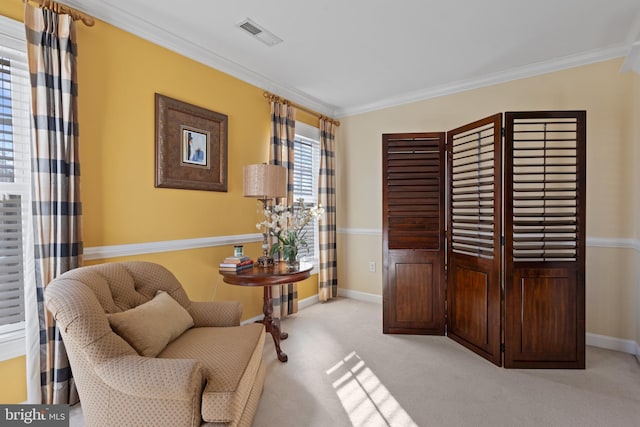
{"x":598,"y":88}
{"x":14,"y":385}
{"x":118,"y":75}
{"x":13,"y":9}
{"x":121,"y":205}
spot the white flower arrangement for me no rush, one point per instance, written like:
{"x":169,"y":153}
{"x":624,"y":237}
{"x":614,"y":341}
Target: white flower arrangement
{"x":287,"y":224}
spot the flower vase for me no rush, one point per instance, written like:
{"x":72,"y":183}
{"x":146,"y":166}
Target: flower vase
{"x":291,"y":259}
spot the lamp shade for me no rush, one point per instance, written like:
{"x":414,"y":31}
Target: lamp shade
{"x":264,"y":181}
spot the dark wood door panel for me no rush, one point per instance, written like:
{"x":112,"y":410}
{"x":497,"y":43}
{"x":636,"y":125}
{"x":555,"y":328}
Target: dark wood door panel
{"x":548,"y":329}
{"x":474,"y":306}
{"x":414,"y":287}
{"x":543,"y":319}
{"x":412,"y":296}
{"x":468,"y":300}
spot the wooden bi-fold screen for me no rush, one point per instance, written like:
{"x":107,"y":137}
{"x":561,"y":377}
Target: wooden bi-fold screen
{"x":505,"y":277}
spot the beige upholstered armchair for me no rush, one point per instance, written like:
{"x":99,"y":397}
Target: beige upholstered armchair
{"x":142,"y":353}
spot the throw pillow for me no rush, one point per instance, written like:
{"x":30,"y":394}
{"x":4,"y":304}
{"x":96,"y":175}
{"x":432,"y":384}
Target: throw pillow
{"x":149,"y":327}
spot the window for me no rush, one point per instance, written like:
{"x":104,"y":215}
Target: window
{"x":15,"y":218}
{"x":306,"y":168}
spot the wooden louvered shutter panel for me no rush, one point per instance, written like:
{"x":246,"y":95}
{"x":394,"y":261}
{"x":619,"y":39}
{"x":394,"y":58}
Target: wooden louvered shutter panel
{"x":474,"y":261}
{"x":545,"y":188}
{"x":413,"y":233}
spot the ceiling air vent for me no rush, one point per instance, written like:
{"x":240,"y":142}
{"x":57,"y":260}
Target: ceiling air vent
{"x":259,"y":32}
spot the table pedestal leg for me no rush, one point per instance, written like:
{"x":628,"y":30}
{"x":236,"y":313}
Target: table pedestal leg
{"x":272,"y":324}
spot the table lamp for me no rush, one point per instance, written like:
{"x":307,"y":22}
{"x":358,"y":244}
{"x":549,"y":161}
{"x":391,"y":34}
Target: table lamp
{"x":264,"y":182}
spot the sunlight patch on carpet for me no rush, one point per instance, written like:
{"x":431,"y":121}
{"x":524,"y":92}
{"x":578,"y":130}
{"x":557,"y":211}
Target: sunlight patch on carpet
{"x":365,"y":399}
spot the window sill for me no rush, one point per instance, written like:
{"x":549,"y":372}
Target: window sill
{"x":12,"y":344}
{"x":313,"y":261}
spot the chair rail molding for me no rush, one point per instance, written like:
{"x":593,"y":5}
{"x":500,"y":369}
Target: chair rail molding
{"x":595,"y":242}
{"x":613,"y":242}
{"x":361,"y":231}
{"x":104,"y":252}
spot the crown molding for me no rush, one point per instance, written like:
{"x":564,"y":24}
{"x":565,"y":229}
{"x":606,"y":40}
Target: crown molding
{"x":161,"y":36}
{"x":490,"y":79}
{"x":632,"y":61}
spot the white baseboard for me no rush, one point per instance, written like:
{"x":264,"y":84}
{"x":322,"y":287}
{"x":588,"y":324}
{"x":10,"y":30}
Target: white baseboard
{"x":595,"y":340}
{"x":360,"y":296}
{"x":612,"y":343}
{"x":302,"y":304}
{"x":308,"y":302}
{"x":252,"y":320}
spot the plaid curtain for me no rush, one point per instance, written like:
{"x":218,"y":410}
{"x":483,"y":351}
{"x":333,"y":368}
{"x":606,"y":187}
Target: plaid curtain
{"x":51,"y":49}
{"x":327,"y":275}
{"x":283,"y":133}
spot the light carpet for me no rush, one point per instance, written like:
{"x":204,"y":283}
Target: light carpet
{"x":343,"y":371}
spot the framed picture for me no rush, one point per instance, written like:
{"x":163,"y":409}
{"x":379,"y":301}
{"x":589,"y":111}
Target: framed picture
{"x":191,"y":146}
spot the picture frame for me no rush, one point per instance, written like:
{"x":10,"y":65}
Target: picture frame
{"x":191,"y":146}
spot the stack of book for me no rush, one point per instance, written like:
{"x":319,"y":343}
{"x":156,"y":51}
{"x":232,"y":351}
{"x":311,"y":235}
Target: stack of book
{"x":236,"y":263}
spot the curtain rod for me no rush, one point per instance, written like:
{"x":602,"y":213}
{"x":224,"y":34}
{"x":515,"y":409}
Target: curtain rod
{"x":272,"y":97}
{"x":75,"y":14}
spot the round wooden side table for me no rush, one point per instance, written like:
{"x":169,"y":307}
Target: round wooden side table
{"x":278,"y":274}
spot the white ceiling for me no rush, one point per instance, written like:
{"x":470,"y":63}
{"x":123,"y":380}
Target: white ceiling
{"x":342,"y":57}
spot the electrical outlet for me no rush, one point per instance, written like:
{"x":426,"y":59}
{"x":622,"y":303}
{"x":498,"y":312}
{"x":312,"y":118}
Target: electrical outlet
{"x":372,"y":266}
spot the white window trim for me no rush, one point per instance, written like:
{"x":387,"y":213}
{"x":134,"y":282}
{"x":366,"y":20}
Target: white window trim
{"x":12,"y":337}
{"x":310,"y":132}
{"x":307,"y":131}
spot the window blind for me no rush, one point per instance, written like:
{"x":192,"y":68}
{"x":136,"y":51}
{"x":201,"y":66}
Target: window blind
{"x":15,"y":172}
{"x":305,"y":184}
{"x":6,"y":123}
{"x":11,"y":261}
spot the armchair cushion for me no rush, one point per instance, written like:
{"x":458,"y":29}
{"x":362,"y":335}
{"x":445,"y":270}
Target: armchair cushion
{"x":149,"y":327}
{"x":230,"y":357}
